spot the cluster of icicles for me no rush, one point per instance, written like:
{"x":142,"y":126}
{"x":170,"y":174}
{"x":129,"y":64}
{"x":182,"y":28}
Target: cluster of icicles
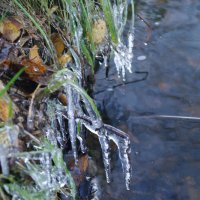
{"x":89,"y":119}
{"x":47,"y":176}
{"x":123,"y":54}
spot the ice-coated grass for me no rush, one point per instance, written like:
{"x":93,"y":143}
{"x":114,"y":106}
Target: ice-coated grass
{"x":75,"y":18}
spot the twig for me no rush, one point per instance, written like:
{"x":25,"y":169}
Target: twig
{"x":109,"y":128}
{"x":30,"y":113}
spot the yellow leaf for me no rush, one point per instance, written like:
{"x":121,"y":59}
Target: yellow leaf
{"x":58,"y":43}
{"x":4,"y":110}
{"x":4,"y":105}
{"x":52,"y":10}
{"x":10,"y":28}
{"x":1,"y":27}
{"x":34,"y":55}
{"x":99,"y":31}
{"x":65,"y":59}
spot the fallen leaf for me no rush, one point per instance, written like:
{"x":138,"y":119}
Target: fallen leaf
{"x":34,"y":55}
{"x":10,"y":28}
{"x":83,"y":163}
{"x":34,"y":66}
{"x":99,"y":31}
{"x":4,"y":105}
{"x":79,"y":172}
{"x":52,"y":10}
{"x":58,"y":43}
{"x":65,"y":59}
{"x":33,"y":70}
{"x":4,"y":110}
{"x":63,"y":99}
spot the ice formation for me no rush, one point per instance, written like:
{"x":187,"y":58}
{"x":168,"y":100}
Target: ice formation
{"x":45,"y":174}
{"x":123,"y":54}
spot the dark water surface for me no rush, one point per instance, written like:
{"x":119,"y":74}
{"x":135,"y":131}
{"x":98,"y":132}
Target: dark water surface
{"x":165,"y":151}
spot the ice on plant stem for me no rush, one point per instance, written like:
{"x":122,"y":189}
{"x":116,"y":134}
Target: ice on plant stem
{"x":9,"y":138}
{"x":71,"y":121}
{"x":123,"y":54}
{"x":61,"y":122}
{"x":106,"y":133}
{"x":3,"y":160}
{"x":123,"y":145}
{"x":46,"y":162}
{"x":82,"y":144}
{"x":50,"y":135}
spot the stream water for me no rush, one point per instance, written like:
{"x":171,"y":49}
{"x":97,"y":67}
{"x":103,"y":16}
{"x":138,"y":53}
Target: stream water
{"x":165,"y":81}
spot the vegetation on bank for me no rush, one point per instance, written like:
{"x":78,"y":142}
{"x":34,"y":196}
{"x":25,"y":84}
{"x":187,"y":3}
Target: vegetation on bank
{"x":48,"y":51}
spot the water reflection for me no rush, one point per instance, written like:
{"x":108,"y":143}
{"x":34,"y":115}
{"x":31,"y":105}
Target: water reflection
{"x":165,"y":152}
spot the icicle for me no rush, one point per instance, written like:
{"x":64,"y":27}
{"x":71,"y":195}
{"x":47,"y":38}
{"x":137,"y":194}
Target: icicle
{"x":59,"y":138}
{"x":119,"y":17}
{"x":3,"y":160}
{"x":12,"y":133}
{"x":51,"y":136}
{"x":104,"y":142}
{"x":89,"y":109}
{"x":47,"y":167}
{"x":105,"y":61}
{"x":123,"y":59}
{"x":123,"y":55}
{"x":71,"y":122}
{"x":123,"y":145}
{"x":121,"y":139}
{"x":61,"y":122}
{"x":82,"y":144}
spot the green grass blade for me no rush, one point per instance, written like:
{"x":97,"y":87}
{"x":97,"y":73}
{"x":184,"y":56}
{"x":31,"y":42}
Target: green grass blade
{"x":41,"y":30}
{"x":87,"y":25}
{"x":87,"y":54}
{"x":16,"y":76}
{"x":107,"y":9}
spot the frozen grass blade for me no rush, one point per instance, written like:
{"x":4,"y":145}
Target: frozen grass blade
{"x":87,"y":54}
{"x":77,"y":88}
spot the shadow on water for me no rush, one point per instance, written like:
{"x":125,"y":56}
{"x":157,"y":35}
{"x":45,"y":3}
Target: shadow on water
{"x":165,"y":151}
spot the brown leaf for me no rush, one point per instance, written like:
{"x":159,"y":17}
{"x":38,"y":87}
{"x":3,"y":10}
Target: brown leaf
{"x":10,"y":28}
{"x":34,"y":66}
{"x":83,"y":163}
{"x":63,"y":99}
{"x":79,"y":172}
{"x":58,"y":43}
{"x":33,"y":70}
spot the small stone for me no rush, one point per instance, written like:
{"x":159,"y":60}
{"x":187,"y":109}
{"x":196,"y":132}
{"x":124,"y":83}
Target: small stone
{"x":141,"y":58}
